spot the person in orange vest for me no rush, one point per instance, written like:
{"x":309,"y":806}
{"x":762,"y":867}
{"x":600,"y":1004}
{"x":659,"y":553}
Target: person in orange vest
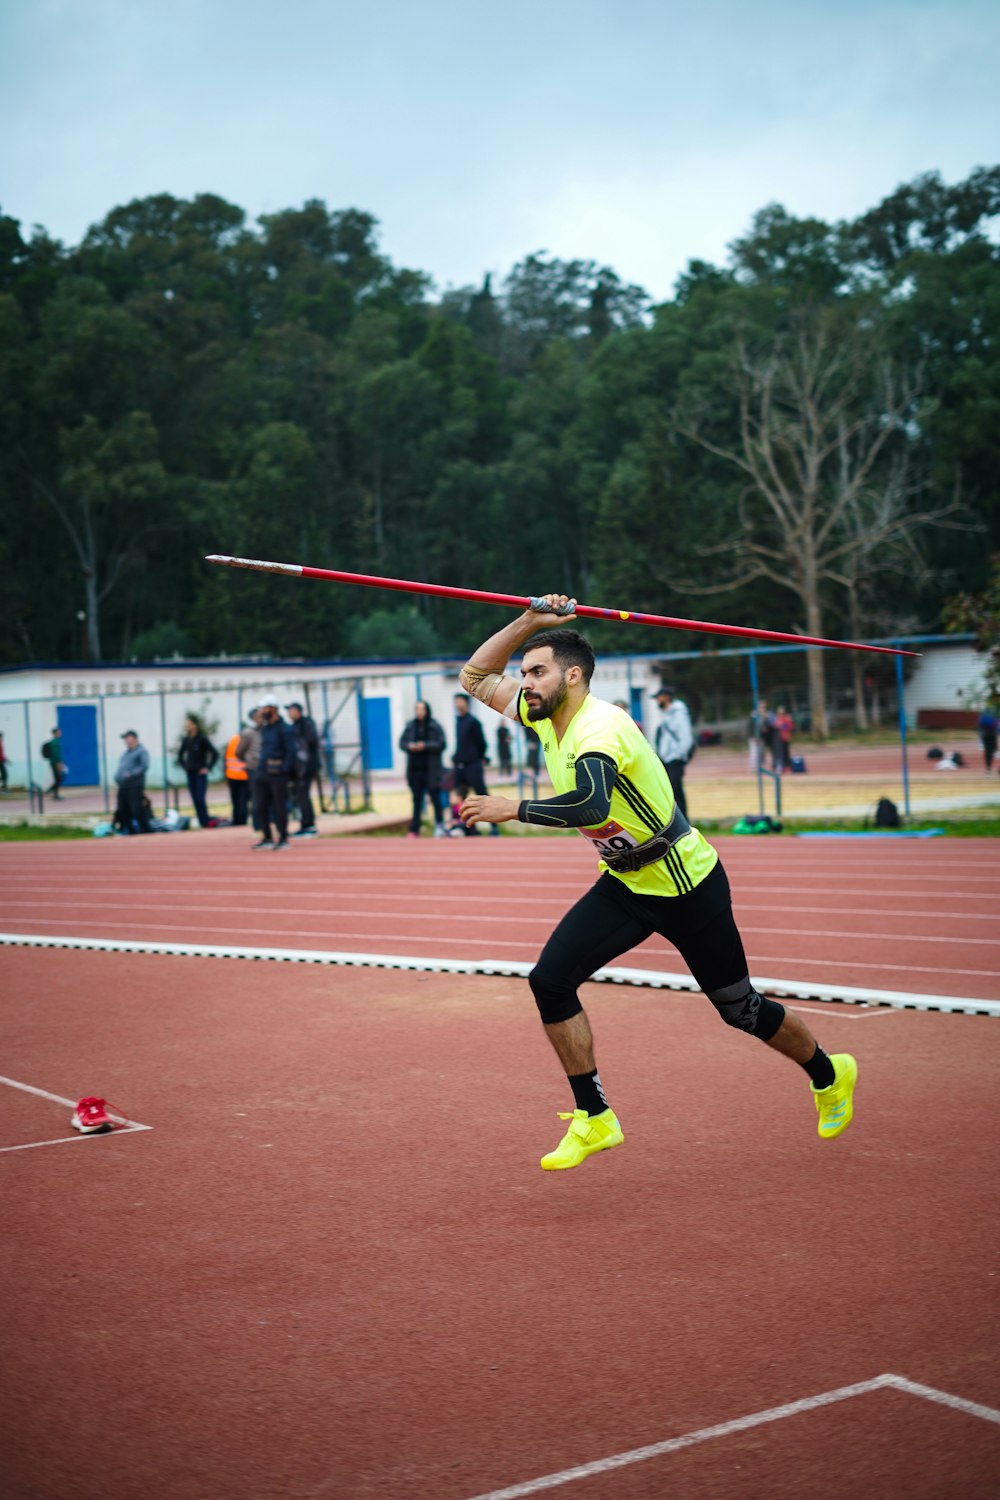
{"x":237,"y":780}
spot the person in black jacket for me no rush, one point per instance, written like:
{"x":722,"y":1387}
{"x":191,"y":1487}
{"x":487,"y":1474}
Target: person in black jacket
{"x":423,"y":741}
{"x":270,"y":786}
{"x":197,"y":755}
{"x":306,"y":767}
{"x":470,"y":754}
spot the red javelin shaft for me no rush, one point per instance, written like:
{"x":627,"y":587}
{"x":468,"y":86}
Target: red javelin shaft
{"x":584,"y":611}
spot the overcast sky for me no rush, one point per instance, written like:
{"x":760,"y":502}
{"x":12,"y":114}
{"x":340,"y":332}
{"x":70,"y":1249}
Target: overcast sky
{"x":634,"y":133}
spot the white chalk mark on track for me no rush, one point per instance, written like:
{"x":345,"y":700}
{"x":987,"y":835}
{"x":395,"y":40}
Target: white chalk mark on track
{"x":29,"y":1088}
{"x":740,"y":1424}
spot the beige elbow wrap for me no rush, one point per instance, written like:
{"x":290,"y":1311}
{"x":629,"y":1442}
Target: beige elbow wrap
{"x":480,"y":684}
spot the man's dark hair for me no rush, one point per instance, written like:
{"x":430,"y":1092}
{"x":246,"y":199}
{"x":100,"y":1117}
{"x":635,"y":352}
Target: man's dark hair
{"x":569,"y":649}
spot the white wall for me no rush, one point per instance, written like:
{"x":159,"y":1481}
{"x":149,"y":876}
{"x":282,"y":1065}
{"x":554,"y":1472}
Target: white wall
{"x":945,"y":677}
{"x":153,"y":700}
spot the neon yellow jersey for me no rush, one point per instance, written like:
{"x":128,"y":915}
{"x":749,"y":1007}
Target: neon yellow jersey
{"x":642,"y":801}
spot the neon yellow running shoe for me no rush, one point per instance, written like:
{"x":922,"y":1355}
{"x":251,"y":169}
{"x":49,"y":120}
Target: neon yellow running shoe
{"x":835,"y":1103}
{"x":587,"y":1134}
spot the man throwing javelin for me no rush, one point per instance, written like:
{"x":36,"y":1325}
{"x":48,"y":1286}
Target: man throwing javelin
{"x":658,"y":873}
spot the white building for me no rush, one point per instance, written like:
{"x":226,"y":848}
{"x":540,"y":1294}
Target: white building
{"x":93,"y":706}
{"x":950,"y":675}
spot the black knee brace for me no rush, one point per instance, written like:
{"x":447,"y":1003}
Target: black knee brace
{"x":555,"y":997}
{"x":740,"y":1005}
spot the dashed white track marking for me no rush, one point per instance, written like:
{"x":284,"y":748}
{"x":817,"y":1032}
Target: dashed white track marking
{"x":740,"y":1424}
{"x":647,"y":978}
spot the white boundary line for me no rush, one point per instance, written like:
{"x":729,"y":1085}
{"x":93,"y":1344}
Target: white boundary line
{"x":853,"y":1013}
{"x":29,"y":1088}
{"x":739,"y":1424}
{"x":649,"y":978}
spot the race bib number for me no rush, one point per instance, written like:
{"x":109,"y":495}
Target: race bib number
{"x":610,"y":837}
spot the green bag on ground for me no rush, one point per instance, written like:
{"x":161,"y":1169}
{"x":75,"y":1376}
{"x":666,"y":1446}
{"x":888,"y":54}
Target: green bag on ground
{"x":756,"y":823}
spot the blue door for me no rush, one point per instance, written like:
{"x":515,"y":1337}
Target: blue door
{"x":78,"y":725}
{"x":378,"y":733}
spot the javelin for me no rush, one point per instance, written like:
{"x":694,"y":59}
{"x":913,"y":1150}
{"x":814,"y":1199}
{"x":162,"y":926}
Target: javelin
{"x":585,"y":611}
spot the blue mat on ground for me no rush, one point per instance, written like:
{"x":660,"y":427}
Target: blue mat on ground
{"x":877,"y":833}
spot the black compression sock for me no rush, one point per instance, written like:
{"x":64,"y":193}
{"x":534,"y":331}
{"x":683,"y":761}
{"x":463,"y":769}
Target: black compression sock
{"x":588,"y":1092}
{"x":820,"y":1069}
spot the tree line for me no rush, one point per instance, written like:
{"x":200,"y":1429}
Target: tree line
{"x":806,"y":437}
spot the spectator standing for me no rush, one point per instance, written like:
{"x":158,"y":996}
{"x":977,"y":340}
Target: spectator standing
{"x":781,"y":740}
{"x":274,"y":769}
{"x":248,"y":751}
{"x":756,"y":736}
{"x":237,"y":780}
{"x":196,"y":757}
{"x":248,"y":744}
{"x":424,"y":742}
{"x":504,"y":761}
{"x":52,"y":752}
{"x":133,"y":809}
{"x":470,"y":755}
{"x":674,"y":740}
{"x":987,"y":730}
{"x":306,"y":767}
{"x":3,"y":766}
{"x":534,"y":749}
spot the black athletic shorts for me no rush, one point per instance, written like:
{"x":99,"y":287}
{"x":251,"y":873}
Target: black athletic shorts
{"x":610,"y":919}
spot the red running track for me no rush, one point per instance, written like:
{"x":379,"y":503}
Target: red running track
{"x":905,"y":915}
{"x":332,"y":1269}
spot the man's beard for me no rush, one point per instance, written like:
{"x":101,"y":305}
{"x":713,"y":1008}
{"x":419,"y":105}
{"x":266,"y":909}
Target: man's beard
{"x":546,"y":707}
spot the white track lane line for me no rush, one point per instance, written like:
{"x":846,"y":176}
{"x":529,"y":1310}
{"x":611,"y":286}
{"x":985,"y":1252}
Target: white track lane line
{"x":440,"y":864}
{"x":645,"y":978}
{"x":739,"y":1424}
{"x":545,"y":922}
{"x":319,"y":891}
{"x":67,"y":1140}
{"x":326,"y":882}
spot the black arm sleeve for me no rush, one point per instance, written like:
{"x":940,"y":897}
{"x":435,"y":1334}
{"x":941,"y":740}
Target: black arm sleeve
{"x":588,"y":804}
